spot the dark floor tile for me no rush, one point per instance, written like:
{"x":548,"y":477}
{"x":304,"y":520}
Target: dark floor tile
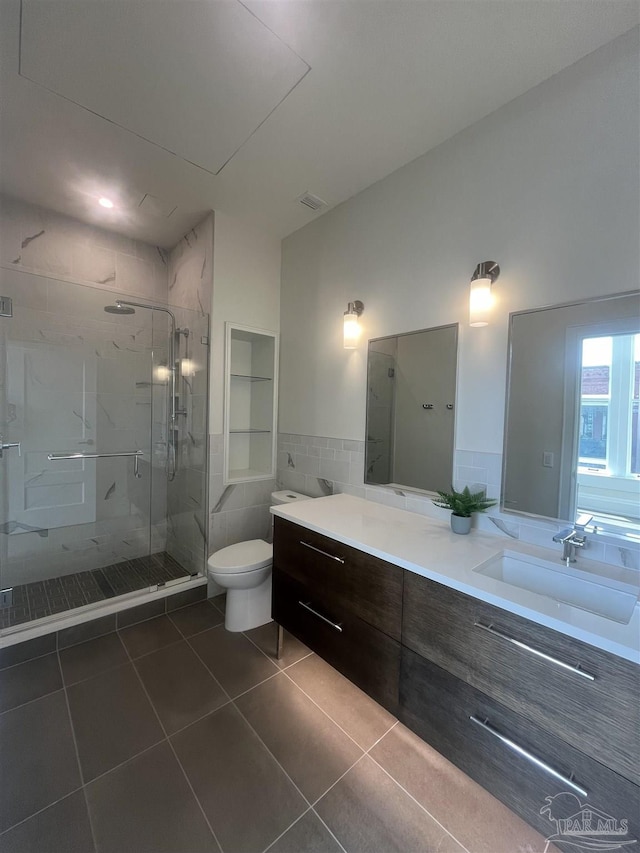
{"x":38,"y":762}
{"x":359,"y":715}
{"x":61,"y":828}
{"x":266,"y":638}
{"x":149,"y":636}
{"x":220,"y":601}
{"x":250,"y":801}
{"x":180,"y":687}
{"x":112,"y":718}
{"x":188,"y":596}
{"x":308,"y":835}
{"x":473,"y":815}
{"x":27,"y":650}
{"x":146,"y":806}
{"x":86,"y":631}
{"x":312,"y":749}
{"x":367,"y":811}
{"x":88,"y":659}
{"x":30,"y":680}
{"x":141,"y":613}
{"x":198,"y":617}
{"x":235,"y":661}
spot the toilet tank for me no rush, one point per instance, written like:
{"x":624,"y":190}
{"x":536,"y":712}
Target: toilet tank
{"x":286,"y":496}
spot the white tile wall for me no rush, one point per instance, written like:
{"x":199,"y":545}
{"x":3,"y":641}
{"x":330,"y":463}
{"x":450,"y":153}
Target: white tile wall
{"x":471,"y":468}
{"x":236,"y":512}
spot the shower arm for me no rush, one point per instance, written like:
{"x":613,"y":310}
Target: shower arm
{"x":172,"y":373}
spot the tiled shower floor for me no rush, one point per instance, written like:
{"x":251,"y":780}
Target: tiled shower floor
{"x":175,"y":736}
{"x":43,"y":598}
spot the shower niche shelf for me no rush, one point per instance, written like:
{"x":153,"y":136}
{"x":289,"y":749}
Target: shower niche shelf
{"x":251,"y":381}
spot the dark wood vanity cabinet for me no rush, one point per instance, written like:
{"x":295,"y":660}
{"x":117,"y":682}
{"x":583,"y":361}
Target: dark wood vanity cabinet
{"x":343,"y":604}
{"x":469,"y":728}
{"x":587,"y":697}
{"x":524,"y":710}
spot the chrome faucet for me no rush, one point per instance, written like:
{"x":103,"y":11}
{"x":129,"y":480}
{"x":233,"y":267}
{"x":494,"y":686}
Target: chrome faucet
{"x":573,"y":538}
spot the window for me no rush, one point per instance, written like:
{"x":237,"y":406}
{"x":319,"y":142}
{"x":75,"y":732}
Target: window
{"x":609,"y":398}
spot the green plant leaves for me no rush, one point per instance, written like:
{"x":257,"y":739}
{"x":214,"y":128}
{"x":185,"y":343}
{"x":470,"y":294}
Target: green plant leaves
{"x":464,"y":503}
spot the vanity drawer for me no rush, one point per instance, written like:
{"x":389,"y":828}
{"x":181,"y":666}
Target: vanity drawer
{"x":469,"y":729}
{"x":545,"y":676}
{"x":369,"y":588}
{"x":366,"y":656}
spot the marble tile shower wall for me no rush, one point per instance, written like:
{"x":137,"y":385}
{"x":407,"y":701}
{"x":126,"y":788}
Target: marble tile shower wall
{"x":190,"y":283}
{"x":317,"y":466}
{"x":49,"y":243}
{"x":44,"y":256}
{"x":113,"y":414}
{"x":237,"y":512}
{"x":190,"y":269}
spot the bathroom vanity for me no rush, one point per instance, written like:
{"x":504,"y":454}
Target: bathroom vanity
{"x":529,"y":694}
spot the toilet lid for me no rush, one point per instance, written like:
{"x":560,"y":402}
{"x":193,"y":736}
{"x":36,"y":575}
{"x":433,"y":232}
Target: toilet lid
{"x":242,"y":557}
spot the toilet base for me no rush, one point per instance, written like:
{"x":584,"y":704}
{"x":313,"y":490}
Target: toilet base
{"x":248,"y":608}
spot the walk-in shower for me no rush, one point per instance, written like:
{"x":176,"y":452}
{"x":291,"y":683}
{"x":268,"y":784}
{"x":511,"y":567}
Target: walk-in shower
{"x":103,"y":410}
{"x":124,"y":307}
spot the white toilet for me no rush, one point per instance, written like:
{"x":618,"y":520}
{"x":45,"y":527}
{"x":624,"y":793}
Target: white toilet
{"x":244,"y":570}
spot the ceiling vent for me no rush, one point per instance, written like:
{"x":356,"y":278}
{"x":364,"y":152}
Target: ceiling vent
{"x":311,"y":201}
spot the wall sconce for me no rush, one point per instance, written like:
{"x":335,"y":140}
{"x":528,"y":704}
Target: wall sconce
{"x":351,"y":324}
{"x":480,"y":300}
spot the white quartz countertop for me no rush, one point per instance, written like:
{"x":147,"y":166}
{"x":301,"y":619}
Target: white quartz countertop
{"x":428,"y":547}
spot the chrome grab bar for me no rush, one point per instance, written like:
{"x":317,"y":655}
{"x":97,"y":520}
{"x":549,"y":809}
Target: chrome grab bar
{"x":56,"y":457}
{"x":308,"y":607}
{"x":324,"y":553}
{"x":575,"y":670}
{"x":566,"y":780}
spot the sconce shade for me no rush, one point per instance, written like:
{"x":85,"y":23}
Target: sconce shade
{"x":352,"y":324}
{"x":480,"y":298}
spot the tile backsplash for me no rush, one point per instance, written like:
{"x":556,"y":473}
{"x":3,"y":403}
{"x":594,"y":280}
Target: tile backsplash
{"x":318,"y":465}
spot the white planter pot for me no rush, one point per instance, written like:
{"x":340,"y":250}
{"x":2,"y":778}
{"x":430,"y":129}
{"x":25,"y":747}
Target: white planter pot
{"x":460,"y":524}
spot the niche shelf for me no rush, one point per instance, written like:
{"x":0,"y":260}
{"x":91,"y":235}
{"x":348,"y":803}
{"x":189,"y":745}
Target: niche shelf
{"x":251,"y":382}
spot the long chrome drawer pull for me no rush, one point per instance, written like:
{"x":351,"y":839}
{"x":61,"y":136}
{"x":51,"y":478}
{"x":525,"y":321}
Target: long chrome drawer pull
{"x":324,"y":553}
{"x":576,"y":670}
{"x":484,"y":724}
{"x":320,"y":616}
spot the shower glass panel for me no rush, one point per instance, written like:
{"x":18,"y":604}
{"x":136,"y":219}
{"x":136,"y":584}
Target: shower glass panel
{"x":95,"y":459}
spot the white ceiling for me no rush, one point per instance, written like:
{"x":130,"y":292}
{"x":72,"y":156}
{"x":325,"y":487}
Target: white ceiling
{"x":214,"y":104}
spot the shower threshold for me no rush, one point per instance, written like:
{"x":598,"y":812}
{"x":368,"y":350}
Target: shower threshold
{"x":57,"y":596}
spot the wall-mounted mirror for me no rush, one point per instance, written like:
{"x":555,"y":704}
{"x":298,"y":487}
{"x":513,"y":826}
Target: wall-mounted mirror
{"x":411,"y":391}
{"x":572,"y":430}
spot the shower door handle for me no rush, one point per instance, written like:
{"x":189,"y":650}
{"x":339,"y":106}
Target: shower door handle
{"x":136,"y":454}
{"x":4,"y":447}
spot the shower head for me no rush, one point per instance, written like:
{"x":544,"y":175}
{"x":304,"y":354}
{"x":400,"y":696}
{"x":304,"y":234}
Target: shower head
{"x":119,"y":309}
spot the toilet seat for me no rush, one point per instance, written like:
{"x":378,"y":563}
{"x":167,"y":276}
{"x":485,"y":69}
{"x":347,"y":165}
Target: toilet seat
{"x":242,"y":557}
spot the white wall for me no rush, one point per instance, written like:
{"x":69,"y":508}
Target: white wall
{"x":547,"y":186}
{"x":246,"y":290}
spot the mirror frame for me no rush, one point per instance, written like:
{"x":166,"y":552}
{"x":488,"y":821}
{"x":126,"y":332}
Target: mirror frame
{"x":619,"y":531}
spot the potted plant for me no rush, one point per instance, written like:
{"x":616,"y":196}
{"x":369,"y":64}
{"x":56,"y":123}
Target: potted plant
{"x":462,"y":505}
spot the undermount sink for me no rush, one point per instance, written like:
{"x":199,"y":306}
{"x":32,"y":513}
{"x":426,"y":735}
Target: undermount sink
{"x":612,"y":599}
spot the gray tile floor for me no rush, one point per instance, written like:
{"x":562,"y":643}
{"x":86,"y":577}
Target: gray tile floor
{"x":175,"y":736}
{"x":57,"y":595}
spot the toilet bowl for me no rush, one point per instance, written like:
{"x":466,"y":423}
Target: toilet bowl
{"x":244,"y":570}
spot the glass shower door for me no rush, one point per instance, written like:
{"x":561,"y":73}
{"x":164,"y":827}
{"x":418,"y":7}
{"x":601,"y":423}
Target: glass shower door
{"x":75,"y":415}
